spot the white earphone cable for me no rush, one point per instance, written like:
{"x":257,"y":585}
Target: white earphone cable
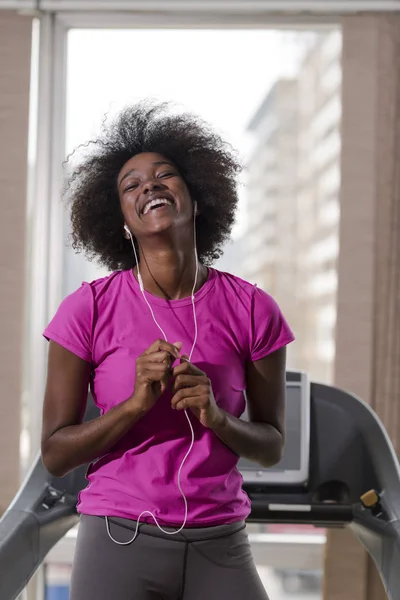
{"x":186,"y":413}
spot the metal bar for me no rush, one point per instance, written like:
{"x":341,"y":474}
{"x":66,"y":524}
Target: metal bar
{"x":28,"y":5}
{"x":45,"y":261}
{"x":38,"y":262}
{"x":336,"y":7}
{"x":326,"y":515}
{"x":187,"y":20}
{"x":242,"y":7}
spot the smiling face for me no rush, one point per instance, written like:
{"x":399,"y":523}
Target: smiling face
{"x":153,"y":195}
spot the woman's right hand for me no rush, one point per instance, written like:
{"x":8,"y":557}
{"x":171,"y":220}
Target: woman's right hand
{"x":67,"y":441}
{"x":153,"y":371}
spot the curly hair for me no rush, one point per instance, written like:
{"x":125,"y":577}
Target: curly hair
{"x":207,"y":164}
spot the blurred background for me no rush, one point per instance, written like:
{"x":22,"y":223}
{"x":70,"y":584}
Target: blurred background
{"x":308,"y":93}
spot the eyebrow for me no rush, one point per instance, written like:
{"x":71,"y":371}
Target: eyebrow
{"x":156,"y":163}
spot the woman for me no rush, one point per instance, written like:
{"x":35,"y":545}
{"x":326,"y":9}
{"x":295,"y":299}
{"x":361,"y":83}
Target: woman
{"x":168,"y":346}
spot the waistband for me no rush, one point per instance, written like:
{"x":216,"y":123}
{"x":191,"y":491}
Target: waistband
{"x":189,"y":534}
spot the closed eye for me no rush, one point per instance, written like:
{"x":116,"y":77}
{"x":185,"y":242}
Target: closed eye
{"x":131,"y":186}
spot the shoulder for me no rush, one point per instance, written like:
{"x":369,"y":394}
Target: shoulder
{"x":97,"y":291}
{"x":258,"y":311}
{"x":233,"y":283}
{"x":73,"y":323}
{"x":248,"y":292}
{"x":107,"y":285}
{"x":83,"y":298}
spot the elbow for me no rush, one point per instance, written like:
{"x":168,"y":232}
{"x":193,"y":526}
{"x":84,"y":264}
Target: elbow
{"x":271,"y":460}
{"x":52,"y":467}
{"x":51,"y":459}
{"x":273,"y":453}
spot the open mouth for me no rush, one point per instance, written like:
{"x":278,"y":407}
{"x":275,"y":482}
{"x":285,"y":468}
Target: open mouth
{"x":157,"y":203}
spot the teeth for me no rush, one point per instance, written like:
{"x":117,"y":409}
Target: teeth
{"x":156,"y":202}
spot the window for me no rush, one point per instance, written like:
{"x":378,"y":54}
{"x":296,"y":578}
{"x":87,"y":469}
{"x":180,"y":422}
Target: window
{"x":277,"y":122}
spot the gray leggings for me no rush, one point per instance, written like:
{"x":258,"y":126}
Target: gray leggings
{"x":211,"y":563}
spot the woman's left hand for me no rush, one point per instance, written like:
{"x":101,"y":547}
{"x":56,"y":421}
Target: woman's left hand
{"x":192,"y":389}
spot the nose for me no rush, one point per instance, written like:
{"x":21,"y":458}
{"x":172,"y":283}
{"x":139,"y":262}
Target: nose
{"x":152,"y":185}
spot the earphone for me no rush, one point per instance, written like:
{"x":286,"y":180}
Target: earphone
{"x":127,"y":230}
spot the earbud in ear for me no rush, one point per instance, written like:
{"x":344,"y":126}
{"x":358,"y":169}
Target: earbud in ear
{"x":126,"y":229}
{"x":195,"y":209}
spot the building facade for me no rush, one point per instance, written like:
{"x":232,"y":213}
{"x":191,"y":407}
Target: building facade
{"x":270,"y":243}
{"x":293,"y":202}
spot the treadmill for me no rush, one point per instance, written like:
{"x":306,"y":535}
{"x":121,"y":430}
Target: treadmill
{"x":339,"y":469}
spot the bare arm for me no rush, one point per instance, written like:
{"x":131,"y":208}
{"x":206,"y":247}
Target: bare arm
{"x":67,"y":442}
{"x":261,"y":439}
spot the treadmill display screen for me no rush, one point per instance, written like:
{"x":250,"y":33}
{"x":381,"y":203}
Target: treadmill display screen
{"x":291,"y":460}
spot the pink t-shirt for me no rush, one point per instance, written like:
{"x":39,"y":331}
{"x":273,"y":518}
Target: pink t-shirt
{"x":108,"y":324}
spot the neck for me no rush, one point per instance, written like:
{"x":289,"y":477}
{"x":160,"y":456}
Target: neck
{"x":169,"y":272}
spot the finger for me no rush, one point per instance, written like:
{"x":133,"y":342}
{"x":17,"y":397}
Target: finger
{"x":162,"y":345}
{"x":162,"y":368}
{"x":154,"y":377}
{"x":184,"y":381}
{"x":186,"y":368}
{"x":199,"y":402}
{"x":158,"y":357}
{"x":185,"y":404}
{"x":164,"y":381}
{"x":154,"y":372}
{"x":186,"y":393}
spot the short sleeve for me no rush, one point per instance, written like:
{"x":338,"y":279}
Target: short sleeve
{"x":71,"y":326}
{"x":270,"y":330}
